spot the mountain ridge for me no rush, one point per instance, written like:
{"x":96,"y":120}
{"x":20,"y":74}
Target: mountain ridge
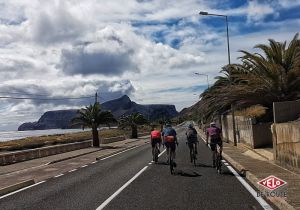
{"x":61,"y":119}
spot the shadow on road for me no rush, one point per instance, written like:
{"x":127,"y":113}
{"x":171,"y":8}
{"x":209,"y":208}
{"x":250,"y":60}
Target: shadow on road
{"x":187,"y":173}
{"x":203,"y":165}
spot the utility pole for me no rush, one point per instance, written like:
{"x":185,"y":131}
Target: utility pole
{"x":230,"y":78}
{"x":96,"y":97}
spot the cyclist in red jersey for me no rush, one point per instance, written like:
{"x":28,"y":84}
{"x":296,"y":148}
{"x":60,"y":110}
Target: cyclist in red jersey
{"x":155,"y":138}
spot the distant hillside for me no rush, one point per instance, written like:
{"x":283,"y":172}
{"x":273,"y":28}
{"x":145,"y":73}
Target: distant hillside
{"x":121,"y":106}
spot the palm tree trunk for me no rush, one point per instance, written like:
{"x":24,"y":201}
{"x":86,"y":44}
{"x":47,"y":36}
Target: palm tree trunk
{"x":95,"y":136}
{"x":134,"y":132}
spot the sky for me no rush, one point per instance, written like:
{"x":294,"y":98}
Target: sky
{"x":147,"y":49}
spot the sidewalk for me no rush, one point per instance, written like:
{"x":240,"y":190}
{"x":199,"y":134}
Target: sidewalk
{"x":255,"y":168}
{"x":22,"y":174}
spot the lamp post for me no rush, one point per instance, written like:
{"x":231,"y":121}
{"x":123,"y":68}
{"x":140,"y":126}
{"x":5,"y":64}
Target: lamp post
{"x":229,"y":63}
{"x":200,"y":74}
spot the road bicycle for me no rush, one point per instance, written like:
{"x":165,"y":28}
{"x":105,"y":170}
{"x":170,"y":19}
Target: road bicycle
{"x":218,"y":155}
{"x":171,"y":161}
{"x":155,"y":153}
{"x":193,"y":156}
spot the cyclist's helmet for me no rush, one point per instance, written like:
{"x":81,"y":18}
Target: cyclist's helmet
{"x":190,"y":126}
{"x":212,"y":124}
{"x":168,"y":125}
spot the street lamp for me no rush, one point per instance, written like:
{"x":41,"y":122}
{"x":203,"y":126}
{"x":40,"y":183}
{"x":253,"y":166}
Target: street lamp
{"x":206,"y":78}
{"x":228,"y":53}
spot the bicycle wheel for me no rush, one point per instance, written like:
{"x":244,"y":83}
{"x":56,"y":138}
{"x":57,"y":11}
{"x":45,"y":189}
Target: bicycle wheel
{"x":156,"y":154}
{"x":171,"y":163}
{"x":219,"y":164}
{"x":194,"y":155}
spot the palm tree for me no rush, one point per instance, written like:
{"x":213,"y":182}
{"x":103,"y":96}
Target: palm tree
{"x":262,"y":79}
{"x":133,"y":121}
{"x":92,"y":116}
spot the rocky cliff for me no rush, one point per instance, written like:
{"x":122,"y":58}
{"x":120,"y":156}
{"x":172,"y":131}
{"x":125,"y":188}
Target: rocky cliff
{"x":121,"y":106}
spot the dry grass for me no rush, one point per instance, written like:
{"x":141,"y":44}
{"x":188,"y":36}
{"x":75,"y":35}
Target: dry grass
{"x":40,"y":141}
{"x":253,"y":111}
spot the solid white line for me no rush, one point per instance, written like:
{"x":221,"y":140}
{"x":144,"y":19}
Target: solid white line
{"x":162,"y":153}
{"x":83,"y":166}
{"x":120,"y":189}
{"x":73,"y":170}
{"x":58,"y":175}
{"x":226,"y":164}
{"x":224,"y":161}
{"x":119,"y":153}
{"x":261,"y":201}
{"x":22,"y":189}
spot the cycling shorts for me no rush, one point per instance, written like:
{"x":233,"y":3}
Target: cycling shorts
{"x":214,"y":143}
{"x":155,"y":141}
{"x":190,"y":144}
{"x":171,"y":145}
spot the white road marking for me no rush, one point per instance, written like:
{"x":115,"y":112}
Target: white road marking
{"x":224,"y":161}
{"x":261,"y":201}
{"x":83,"y":166}
{"x":108,"y":200}
{"x":73,"y":170}
{"x":94,"y":162}
{"x":58,"y":175}
{"x":119,"y":152}
{"x":150,"y":163}
{"x":21,"y":189}
{"x":226,"y":164}
{"x":162,"y":152}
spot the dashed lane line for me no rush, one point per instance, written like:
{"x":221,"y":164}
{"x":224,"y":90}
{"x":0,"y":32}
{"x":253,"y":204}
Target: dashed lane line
{"x":58,"y":175}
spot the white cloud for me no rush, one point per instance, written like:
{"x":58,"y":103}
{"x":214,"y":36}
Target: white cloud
{"x":71,"y":48}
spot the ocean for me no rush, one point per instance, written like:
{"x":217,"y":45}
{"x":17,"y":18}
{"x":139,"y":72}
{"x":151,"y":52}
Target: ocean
{"x":13,"y":135}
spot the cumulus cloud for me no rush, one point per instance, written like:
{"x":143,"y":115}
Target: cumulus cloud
{"x":72,"y":48}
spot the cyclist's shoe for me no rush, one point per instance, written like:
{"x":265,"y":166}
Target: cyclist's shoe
{"x":174,"y":164}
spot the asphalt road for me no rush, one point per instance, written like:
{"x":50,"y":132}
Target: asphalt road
{"x":191,"y":187}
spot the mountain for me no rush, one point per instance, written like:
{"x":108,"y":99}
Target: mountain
{"x":119,"y":107}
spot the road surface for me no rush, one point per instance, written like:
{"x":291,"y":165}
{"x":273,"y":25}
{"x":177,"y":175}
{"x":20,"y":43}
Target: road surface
{"x":130,"y":181}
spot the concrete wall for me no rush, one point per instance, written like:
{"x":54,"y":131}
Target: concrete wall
{"x":286,"y":111}
{"x":19,"y":156}
{"x":254,"y":135}
{"x":286,"y":143}
{"x":14,"y":157}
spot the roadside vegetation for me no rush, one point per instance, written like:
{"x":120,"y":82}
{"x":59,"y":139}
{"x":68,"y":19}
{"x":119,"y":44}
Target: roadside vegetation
{"x":41,"y":141}
{"x":270,"y":75}
{"x":132,"y":121}
{"x":92,"y":116}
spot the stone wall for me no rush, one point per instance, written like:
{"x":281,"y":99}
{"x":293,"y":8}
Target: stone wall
{"x":254,"y":135}
{"x":286,"y":143}
{"x":286,"y":111}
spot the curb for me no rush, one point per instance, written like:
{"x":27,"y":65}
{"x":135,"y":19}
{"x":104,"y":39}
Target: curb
{"x":280,"y":203}
{"x":15,"y":187}
{"x":75,"y":156}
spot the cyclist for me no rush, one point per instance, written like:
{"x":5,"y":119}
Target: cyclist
{"x":155,"y":138}
{"x":170,"y":140}
{"x":192,"y":139}
{"x":214,"y":133}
